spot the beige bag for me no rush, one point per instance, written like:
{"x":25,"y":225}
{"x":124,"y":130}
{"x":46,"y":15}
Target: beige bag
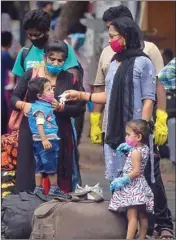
{"x":77,"y":219}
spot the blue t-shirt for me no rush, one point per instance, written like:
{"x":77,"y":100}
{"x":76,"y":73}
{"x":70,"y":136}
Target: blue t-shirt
{"x":50,"y":126}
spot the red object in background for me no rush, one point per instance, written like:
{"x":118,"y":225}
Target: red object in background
{"x":64,"y":184}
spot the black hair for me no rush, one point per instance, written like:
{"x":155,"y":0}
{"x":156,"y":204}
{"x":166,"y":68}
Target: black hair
{"x":6,"y":39}
{"x":143,"y":127}
{"x":35,"y":87}
{"x":129,"y":30}
{"x":77,"y":27}
{"x":168,"y":53}
{"x":42,"y":4}
{"x":37,"y":19}
{"x":115,"y":12}
{"x":56,"y":46}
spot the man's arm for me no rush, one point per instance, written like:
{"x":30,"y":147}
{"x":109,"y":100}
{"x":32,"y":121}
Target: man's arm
{"x":161,"y":130}
{"x":99,"y":85}
{"x":157,"y":60}
{"x":95,"y":115}
{"x":98,"y":107}
{"x":161,"y":96}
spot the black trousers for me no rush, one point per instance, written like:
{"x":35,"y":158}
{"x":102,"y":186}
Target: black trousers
{"x":162,"y":217}
{"x":79,"y":124}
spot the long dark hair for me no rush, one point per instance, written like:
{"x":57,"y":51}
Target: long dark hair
{"x":56,"y":46}
{"x":129,"y":30}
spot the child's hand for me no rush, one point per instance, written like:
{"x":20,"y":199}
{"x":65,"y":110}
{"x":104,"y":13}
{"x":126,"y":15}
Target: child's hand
{"x":46,"y":144}
{"x":119,"y":183}
{"x":57,"y":106}
{"x":124,"y":147}
{"x":115,"y":184}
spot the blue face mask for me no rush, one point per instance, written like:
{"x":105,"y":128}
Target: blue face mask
{"x":54,"y":69}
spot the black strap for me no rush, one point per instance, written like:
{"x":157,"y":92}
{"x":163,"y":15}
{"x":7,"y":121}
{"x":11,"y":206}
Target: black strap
{"x":24,"y":55}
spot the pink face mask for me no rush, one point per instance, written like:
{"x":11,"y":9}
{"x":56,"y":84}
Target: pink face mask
{"x":49,"y":98}
{"x":131,"y":142}
{"x":117,"y":46}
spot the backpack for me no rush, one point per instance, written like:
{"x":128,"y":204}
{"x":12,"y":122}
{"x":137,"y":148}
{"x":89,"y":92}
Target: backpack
{"x":16,"y":214}
{"x":24,"y":55}
{"x":77,"y":218}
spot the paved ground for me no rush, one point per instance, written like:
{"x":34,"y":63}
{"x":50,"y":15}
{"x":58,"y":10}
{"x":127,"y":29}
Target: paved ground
{"x":92,"y":169}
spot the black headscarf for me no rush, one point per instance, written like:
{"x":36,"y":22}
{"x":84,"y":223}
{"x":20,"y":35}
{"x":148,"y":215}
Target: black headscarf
{"x":121,"y":104}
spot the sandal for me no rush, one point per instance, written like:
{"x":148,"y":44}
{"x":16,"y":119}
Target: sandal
{"x":166,"y":234}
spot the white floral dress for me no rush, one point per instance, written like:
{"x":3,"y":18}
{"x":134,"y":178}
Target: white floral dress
{"x":137,"y":192}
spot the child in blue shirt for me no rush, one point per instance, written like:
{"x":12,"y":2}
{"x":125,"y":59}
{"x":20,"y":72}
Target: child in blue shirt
{"x":44,"y":133}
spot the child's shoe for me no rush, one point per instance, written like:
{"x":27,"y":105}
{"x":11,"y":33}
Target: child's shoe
{"x":39,"y":190}
{"x":55,"y":191}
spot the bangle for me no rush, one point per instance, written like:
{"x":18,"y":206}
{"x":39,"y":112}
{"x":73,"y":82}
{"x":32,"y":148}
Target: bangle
{"x":90,"y":97}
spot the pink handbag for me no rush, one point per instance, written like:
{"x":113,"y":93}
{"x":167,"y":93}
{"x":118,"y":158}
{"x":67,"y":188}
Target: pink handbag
{"x":17,"y":116}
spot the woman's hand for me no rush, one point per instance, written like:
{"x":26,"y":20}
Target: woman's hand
{"x":57,"y":106}
{"x":26,"y":108}
{"x":72,"y":95}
